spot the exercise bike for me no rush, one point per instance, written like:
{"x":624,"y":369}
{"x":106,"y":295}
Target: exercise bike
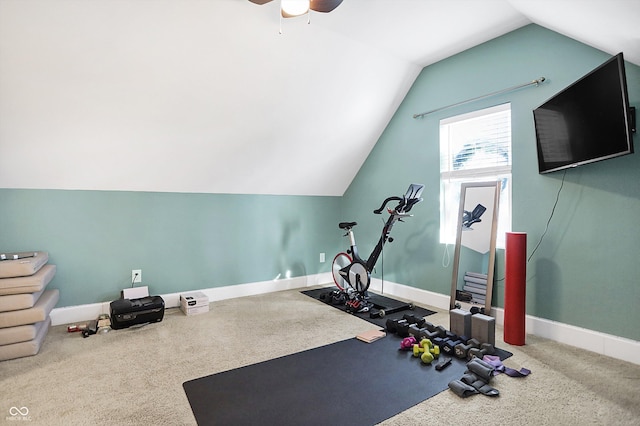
{"x":351,"y":273}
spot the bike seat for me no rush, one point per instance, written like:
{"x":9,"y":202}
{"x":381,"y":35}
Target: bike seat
{"x":347,"y":225}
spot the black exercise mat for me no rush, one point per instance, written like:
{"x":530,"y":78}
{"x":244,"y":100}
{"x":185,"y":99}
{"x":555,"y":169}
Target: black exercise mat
{"x":377,"y":299}
{"x":345,"y":383}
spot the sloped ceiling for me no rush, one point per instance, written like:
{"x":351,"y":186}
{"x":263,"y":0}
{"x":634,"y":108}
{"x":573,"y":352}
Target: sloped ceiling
{"x":208,"y":96}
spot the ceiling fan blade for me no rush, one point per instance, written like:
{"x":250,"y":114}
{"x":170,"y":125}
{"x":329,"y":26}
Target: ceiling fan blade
{"x":324,"y":6}
{"x":260,"y":1}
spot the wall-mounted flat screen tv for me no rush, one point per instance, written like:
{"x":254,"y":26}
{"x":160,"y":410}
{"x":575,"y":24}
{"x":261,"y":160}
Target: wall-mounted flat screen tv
{"x":588,"y":121}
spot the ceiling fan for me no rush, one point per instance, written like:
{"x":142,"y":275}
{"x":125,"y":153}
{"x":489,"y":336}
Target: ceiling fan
{"x":293,"y":8}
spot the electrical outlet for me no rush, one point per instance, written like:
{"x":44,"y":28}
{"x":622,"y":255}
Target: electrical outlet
{"x":136,"y":276}
{"x":321,"y":257}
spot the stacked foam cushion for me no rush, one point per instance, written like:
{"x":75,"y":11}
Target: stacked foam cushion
{"x":25,"y":303}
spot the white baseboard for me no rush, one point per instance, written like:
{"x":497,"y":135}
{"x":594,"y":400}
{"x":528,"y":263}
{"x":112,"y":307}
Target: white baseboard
{"x":81,"y":313}
{"x":594,"y":341}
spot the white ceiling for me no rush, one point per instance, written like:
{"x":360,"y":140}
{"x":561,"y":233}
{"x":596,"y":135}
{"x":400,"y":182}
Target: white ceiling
{"x":425,"y":31}
{"x":207,"y":96}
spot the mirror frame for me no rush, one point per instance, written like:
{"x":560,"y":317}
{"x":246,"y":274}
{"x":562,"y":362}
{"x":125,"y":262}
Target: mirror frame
{"x":492,"y":243}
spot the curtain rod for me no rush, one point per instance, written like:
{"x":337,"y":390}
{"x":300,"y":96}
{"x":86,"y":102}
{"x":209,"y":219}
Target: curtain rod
{"x":536,"y":82}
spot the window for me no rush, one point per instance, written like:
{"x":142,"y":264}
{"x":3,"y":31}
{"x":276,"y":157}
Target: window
{"x":475,"y":147}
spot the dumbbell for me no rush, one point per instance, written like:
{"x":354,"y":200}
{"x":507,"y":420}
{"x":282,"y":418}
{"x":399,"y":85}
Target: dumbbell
{"x":433,"y":349}
{"x":433,"y":353}
{"x":426,"y":350}
{"x":402,"y":329}
{"x":392,"y":324}
{"x":427,"y":358}
{"x":448,"y":346}
{"x":398,"y":326}
{"x":417,"y":332}
{"x":439,"y":340}
{"x":484,"y":349}
{"x":407,"y":343}
{"x":412,"y":319}
{"x":462,"y":350}
{"x":448,"y":335}
{"x":476,"y":310}
{"x":435,"y":330}
{"x":449,"y":343}
{"x":401,"y":326}
{"x":420,"y":348}
{"x":429,"y":331}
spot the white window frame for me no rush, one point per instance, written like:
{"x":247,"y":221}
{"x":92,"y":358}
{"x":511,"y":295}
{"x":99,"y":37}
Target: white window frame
{"x":450,"y":180}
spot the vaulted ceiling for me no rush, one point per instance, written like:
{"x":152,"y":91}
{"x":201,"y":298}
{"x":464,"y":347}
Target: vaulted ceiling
{"x":209,"y":96}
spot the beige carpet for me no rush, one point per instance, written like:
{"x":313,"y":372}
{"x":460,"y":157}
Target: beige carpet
{"x":135,"y":376}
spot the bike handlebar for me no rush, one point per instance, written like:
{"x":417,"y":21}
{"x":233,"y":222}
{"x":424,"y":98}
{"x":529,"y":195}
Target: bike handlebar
{"x":406,"y":202}
{"x":378,"y":211}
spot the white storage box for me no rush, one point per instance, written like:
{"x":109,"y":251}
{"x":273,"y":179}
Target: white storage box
{"x":194,"y":303}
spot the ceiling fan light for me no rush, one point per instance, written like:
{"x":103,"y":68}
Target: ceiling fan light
{"x":291,"y":8}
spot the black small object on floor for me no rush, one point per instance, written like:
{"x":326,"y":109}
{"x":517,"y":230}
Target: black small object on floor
{"x":378,"y":300}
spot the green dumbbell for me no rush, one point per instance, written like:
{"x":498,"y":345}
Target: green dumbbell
{"x":424,"y":346}
{"x":417,"y":350}
{"x":427,"y":357}
{"x":426,"y":343}
{"x":435,"y":351}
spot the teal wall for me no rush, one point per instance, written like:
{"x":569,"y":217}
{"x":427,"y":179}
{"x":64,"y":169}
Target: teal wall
{"x":586,"y":271}
{"x":180,"y":241}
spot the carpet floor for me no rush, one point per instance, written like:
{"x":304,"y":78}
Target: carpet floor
{"x":135,"y":376}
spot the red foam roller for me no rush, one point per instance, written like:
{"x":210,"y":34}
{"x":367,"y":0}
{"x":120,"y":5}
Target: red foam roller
{"x":515,"y":288}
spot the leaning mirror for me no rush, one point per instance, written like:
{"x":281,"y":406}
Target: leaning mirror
{"x":474,"y":257}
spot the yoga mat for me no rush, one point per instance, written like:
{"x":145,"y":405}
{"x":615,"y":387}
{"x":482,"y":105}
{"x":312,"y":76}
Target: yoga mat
{"x":377,"y":299}
{"x":345,"y":383}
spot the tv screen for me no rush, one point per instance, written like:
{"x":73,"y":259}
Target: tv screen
{"x":586,"y":122}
